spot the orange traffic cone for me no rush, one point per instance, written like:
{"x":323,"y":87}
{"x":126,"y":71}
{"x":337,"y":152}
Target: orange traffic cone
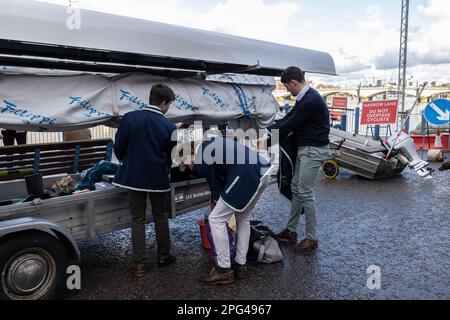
{"x":438,"y":141}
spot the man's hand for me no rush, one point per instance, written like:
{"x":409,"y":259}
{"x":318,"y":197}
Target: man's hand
{"x":182,"y":125}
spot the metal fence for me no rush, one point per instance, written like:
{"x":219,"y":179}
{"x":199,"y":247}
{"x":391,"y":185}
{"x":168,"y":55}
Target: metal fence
{"x":100,"y":132}
{"x":416,"y":125}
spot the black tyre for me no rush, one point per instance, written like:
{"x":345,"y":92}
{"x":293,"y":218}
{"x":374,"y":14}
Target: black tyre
{"x":32,"y":267}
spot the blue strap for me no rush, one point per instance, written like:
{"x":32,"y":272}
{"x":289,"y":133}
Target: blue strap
{"x":76,"y":159}
{"x":37,"y":160}
{"x":242,"y":99}
{"x":109,"y":150}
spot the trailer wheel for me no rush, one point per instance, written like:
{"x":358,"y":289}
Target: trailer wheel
{"x":330,"y":169}
{"x":33,"y":267}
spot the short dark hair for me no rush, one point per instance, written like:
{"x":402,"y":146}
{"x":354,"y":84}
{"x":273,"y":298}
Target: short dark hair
{"x":161,"y":93}
{"x":292,"y":73}
{"x":182,"y":146}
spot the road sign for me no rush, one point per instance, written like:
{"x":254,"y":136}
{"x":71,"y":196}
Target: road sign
{"x":338,"y":107}
{"x":438,"y":112}
{"x":340,"y":102}
{"x":379,"y":112}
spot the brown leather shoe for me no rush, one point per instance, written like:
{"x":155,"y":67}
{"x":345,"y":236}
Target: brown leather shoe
{"x":288,"y":236}
{"x":139,"y":270}
{"x":306,"y":245}
{"x":240,"y":271}
{"x":215,"y":278}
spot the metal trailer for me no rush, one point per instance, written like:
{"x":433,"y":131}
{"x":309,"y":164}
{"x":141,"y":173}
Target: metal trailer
{"x":373,"y":159}
{"x":364,"y":157}
{"x":40,"y":236}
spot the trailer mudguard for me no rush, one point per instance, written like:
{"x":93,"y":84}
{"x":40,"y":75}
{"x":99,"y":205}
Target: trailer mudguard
{"x":9,"y":227}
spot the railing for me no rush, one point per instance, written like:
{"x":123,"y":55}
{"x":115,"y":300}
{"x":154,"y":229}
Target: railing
{"x":100,"y":132}
{"x":416,"y":125}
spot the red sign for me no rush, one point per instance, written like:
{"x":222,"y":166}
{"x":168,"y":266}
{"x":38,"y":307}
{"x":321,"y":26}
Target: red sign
{"x":379,"y":112}
{"x":340,"y":102}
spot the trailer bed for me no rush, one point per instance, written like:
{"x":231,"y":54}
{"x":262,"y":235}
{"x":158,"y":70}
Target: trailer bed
{"x":97,"y":212}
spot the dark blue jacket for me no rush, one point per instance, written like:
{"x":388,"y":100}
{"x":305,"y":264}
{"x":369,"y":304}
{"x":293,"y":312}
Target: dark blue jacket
{"x":286,"y":169}
{"x":233,"y":171}
{"x":309,"y":120}
{"x":143,"y":144}
{"x":288,"y":158}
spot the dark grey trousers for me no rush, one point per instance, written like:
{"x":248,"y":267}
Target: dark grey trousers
{"x":160,"y":210}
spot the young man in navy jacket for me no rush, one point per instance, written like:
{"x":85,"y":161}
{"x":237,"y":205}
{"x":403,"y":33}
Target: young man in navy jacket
{"x":237,"y":177}
{"x":144,"y":144}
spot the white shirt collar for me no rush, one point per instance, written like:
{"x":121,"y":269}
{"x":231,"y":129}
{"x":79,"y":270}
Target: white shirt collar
{"x":154,"y":109}
{"x":303,"y":92}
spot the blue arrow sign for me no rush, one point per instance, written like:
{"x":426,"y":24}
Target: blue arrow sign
{"x":438,"y":112}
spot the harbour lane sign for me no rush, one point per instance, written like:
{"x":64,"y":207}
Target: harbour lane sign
{"x":379,"y":112}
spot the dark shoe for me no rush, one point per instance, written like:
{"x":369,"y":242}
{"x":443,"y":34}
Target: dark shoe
{"x":306,"y":245}
{"x":215,"y":277}
{"x":139,"y":270}
{"x":165,"y":260}
{"x":288,"y":236}
{"x":240,"y":271}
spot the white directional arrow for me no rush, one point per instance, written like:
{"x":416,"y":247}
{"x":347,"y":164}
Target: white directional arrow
{"x":443,"y":116}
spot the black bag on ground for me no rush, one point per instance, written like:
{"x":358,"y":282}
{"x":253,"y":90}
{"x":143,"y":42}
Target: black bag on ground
{"x":263,"y":246}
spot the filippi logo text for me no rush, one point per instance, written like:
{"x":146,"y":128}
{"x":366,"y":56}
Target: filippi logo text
{"x":182,"y":104}
{"x":26,"y":116}
{"x":134,"y":99}
{"x":215,"y":98}
{"x":91,"y":110}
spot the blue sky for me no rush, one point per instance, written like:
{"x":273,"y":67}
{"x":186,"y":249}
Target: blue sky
{"x":362,"y":36}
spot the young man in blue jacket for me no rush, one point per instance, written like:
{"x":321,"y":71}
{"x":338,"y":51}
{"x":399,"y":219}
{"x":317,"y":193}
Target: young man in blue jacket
{"x":144,"y":144}
{"x":237,"y":177}
{"x":309,"y":124}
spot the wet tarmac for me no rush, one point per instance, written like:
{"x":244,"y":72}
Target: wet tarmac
{"x":401,"y":225}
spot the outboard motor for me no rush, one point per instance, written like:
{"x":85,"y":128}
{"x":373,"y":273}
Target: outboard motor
{"x":404,"y":144}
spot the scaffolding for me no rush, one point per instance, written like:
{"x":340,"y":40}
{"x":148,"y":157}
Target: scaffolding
{"x":403,"y":54}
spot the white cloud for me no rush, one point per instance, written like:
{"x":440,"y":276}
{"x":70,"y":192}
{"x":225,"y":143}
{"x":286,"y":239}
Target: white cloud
{"x":428,"y":46}
{"x":434,"y":8}
{"x":431,"y":44}
{"x":348,"y":63}
{"x":372,"y":21}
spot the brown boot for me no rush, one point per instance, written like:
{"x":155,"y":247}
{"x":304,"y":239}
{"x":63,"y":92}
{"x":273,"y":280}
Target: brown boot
{"x":215,"y":277}
{"x":288,"y":236}
{"x":240,"y":271}
{"x":139,"y":270}
{"x":306,"y":245}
